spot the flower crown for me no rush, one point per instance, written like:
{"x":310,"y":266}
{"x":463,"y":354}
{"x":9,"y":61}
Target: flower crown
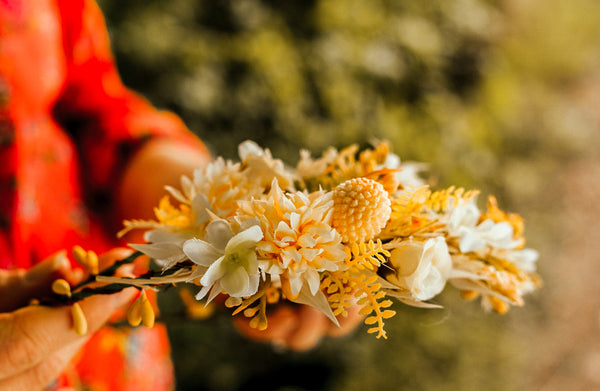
{"x":348,"y":228}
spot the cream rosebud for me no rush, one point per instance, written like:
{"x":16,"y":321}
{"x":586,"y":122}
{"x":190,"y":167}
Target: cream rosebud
{"x":421,"y":268}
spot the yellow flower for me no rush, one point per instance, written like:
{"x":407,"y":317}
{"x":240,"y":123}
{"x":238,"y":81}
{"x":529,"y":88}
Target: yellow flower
{"x":299,"y":241}
{"x":361,"y":208}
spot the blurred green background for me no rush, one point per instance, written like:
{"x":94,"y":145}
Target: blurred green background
{"x":495,"y":95}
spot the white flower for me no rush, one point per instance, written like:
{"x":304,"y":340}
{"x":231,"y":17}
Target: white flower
{"x":408,"y":173}
{"x":231,"y":259}
{"x":497,"y":235}
{"x":165,"y":242}
{"x":421,"y":268}
{"x":463,"y":223}
{"x":524,"y":259}
{"x":465,"y":214}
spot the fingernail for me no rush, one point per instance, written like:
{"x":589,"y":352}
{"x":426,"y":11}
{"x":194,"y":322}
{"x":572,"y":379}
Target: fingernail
{"x":59,"y":260}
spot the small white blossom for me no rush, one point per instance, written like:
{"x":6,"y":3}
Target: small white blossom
{"x":474,"y":236}
{"x":231,"y":259}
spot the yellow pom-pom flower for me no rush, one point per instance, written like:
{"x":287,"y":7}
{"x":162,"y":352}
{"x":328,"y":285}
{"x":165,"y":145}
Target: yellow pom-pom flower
{"x":361,"y":208}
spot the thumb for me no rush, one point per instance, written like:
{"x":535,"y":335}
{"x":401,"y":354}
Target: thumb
{"x":17,"y":287}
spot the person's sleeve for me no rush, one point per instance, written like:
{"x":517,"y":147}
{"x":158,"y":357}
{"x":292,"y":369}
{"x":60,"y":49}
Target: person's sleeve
{"x":107,"y":121}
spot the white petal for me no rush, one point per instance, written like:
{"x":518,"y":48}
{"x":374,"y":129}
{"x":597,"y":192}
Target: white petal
{"x":296,"y":283}
{"x":245,"y":239}
{"x":167,"y":252}
{"x":248,"y":148}
{"x":470,"y":241}
{"x":524,"y":259}
{"x":201,"y":252}
{"x":214,"y":272}
{"x":218,"y":233}
{"x":187,"y":186}
{"x":244,"y":225}
{"x":200,"y":205}
{"x":214,"y":292}
{"x":176,"y":194}
{"x":167,"y":234}
{"x":200,"y":295}
{"x":236,"y":281}
{"x":253,"y":286}
{"x":312,"y":278}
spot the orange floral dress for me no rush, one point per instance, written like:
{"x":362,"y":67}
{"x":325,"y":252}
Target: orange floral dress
{"x":67,"y":127}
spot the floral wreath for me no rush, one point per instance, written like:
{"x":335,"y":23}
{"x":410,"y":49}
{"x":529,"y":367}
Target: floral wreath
{"x":347,"y":228}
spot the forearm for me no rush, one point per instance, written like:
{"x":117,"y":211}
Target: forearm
{"x":160,"y":162}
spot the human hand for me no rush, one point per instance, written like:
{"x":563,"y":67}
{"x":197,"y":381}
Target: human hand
{"x":299,"y":327}
{"x":37,"y":342}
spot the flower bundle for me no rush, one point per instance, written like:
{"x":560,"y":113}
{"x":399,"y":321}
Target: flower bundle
{"x":348,"y":228}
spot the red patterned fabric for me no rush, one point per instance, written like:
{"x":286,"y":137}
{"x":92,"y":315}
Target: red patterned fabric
{"x":67,"y":127}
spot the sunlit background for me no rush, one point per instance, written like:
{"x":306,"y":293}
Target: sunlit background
{"x":503,"y":96}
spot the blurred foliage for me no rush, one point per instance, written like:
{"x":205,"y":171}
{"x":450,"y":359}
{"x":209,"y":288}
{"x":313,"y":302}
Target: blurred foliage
{"x":488,"y":91}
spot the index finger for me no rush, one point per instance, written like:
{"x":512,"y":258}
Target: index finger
{"x":30,"y":334}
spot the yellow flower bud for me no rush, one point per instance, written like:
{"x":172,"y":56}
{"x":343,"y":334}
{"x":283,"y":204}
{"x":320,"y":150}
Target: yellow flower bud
{"x":92,"y":262}
{"x":148,"y":315}
{"x":79,"y":320}
{"x":498,"y":305}
{"x":80,"y":255}
{"x":134,"y":315}
{"x":61,"y":287}
{"x":469,"y":294}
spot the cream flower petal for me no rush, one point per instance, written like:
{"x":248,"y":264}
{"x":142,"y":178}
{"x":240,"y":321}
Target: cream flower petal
{"x":215,"y":271}
{"x":296,"y":283}
{"x":236,"y":281}
{"x":312,"y":278}
{"x":218,"y":233}
{"x":470,"y":241}
{"x":201,"y":252}
{"x":200,"y":295}
{"x":169,"y":253}
{"x":167,"y":235}
{"x":200,"y":204}
{"x":524,"y":259}
{"x":252,"y":286}
{"x":245,"y":239}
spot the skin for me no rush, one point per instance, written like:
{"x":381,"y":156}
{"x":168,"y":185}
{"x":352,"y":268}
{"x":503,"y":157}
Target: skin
{"x":36,"y":342}
{"x":299,"y":328}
